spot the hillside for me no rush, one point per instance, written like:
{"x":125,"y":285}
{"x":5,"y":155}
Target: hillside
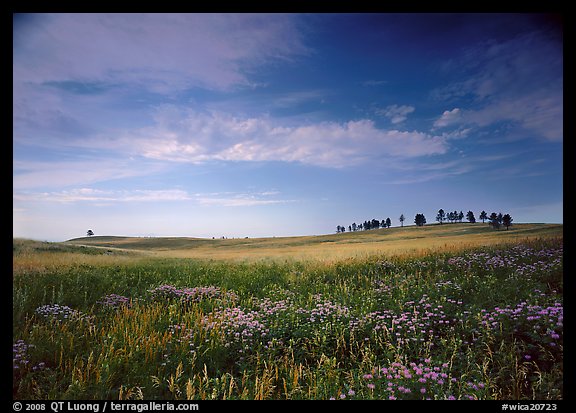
{"x":409,"y":239}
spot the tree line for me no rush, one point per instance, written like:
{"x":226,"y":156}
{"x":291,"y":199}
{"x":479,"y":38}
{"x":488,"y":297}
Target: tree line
{"x":494,"y":220}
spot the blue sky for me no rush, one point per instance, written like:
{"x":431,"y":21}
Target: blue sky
{"x":256,"y":125}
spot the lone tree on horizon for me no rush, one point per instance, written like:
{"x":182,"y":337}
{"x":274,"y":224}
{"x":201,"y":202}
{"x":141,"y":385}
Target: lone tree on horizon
{"x":89,"y":232}
{"x":401,"y":219}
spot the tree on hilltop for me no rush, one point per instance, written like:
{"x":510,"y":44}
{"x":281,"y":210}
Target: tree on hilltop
{"x":420,"y":220}
{"x":441,"y":216}
{"x":507,"y":220}
{"x":483,"y":216}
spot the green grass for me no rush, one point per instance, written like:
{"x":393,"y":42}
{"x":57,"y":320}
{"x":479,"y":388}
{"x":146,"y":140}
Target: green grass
{"x":483,"y":320}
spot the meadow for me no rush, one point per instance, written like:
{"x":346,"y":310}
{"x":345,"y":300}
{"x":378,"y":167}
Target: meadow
{"x":456,"y":311}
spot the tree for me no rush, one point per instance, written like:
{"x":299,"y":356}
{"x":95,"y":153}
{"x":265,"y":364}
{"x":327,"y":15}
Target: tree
{"x":388,"y":222}
{"x":338,"y":229}
{"x":483,"y":216}
{"x":493,"y":218}
{"x":420,"y":220}
{"x":441,"y":216}
{"x":90,"y":233}
{"x":354,"y":228}
{"x":460,"y":216}
{"x":401,"y":219}
{"x":470,"y":217}
{"x":507,"y":220}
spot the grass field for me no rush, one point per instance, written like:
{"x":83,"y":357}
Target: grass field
{"x":456,"y":311}
{"x":392,"y":241}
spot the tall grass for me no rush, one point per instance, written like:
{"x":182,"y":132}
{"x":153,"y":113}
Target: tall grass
{"x":480,"y":323}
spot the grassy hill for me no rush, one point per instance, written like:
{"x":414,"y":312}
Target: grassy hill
{"x":392,"y":241}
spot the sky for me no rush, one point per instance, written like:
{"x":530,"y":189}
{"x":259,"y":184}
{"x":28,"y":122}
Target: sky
{"x":261,"y":125}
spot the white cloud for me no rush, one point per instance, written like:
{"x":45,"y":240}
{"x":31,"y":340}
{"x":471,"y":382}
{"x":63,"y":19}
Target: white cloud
{"x":396,"y":113}
{"x":449,"y":117}
{"x":189,"y":136}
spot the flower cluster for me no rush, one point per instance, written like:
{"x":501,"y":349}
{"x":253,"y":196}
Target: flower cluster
{"x":326,"y":311}
{"x":424,"y":380}
{"x":241,"y":329}
{"x":420,"y":321}
{"x":114,"y":301}
{"x":535,"y":323}
{"x":20,"y":356}
{"x":60,"y":313}
{"x":196,"y":294}
{"x":512,"y":259}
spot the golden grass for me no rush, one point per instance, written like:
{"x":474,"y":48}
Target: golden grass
{"x":411,"y":241}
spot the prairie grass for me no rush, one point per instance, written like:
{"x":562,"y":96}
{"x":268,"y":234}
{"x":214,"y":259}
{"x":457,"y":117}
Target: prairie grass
{"x":461,"y":322}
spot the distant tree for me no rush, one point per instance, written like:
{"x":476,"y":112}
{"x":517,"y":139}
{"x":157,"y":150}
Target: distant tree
{"x":450,"y":216}
{"x":507,"y":220}
{"x":499,"y":217}
{"x":342,"y":228}
{"x":420,"y":220}
{"x":388,"y":222}
{"x":349,"y":228}
{"x":470,"y":217}
{"x":460,"y":216}
{"x":401,"y":219}
{"x":338,"y":229}
{"x":354,"y":228}
{"x":483,"y":216}
{"x":441,"y":216}
{"x":90,"y":233}
{"x":375,"y":224}
{"x":493,"y":218}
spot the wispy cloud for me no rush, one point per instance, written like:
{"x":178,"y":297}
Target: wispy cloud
{"x":508,"y":82}
{"x":395,"y":113}
{"x":46,"y":174}
{"x":374,"y":82}
{"x":231,"y":199}
{"x":161,"y":52}
{"x":99,"y":197}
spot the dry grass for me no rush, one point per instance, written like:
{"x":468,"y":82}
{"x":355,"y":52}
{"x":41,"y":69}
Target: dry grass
{"x":410,"y":241}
